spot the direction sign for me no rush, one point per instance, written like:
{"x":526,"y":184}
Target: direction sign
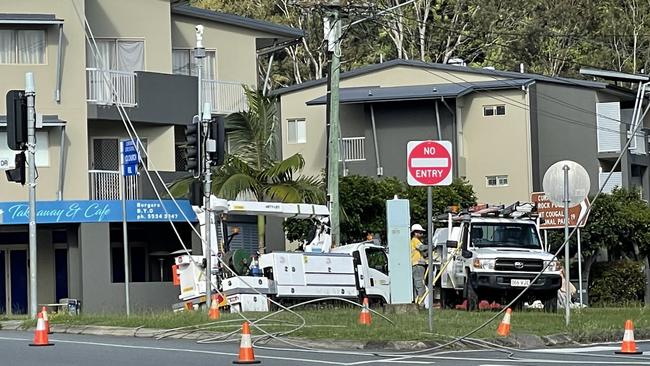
{"x":553,"y":215}
{"x":129,"y":158}
{"x":429,"y":163}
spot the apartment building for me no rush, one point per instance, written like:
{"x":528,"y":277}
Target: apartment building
{"x":506,"y":128}
{"x":86,"y":56}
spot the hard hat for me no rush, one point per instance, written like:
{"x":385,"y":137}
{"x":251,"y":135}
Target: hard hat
{"x":417,"y":227}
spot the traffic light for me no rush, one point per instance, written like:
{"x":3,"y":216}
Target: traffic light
{"x":17,"y":120}
{"x":193,"y":147}
{"x":17,"y":174}
{"x":218,"y":133}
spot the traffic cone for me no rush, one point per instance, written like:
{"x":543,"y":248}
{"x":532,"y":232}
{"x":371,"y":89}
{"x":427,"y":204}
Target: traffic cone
{"x":504,"y":328}
{"x":40,"y":334}
{"x":246,"y":355}
{"x":628,"y":347}
{"x":46,"y":319}
{"x":214,"y":313}
{"x":364,"y":317}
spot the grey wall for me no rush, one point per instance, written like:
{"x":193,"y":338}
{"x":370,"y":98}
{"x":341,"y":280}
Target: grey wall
{"x":162,"y":99}
{"x":397,"y":123}
{"x":566,"y":129}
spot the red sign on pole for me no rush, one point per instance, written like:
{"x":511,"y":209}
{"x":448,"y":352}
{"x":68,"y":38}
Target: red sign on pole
{"x":429,"y":163}
{"x":553,"y":215}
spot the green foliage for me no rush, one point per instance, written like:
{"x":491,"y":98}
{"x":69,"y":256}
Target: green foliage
{"x":617,"y":283}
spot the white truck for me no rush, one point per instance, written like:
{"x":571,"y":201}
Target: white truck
{"x":500,"y":253}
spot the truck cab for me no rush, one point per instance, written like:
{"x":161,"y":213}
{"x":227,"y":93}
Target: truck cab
{"x":494,"y":257}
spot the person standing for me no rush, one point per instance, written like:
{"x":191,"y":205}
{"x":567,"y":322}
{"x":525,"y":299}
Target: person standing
{"x":418,"y":263}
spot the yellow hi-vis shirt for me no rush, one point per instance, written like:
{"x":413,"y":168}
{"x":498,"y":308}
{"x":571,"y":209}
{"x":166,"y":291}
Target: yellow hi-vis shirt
{"x":416,"y":254}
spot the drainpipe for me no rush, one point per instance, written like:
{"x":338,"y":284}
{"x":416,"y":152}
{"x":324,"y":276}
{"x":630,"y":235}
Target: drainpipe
{"x":57,"y":95}
{"x":438,"y":121}
{"x":59,"y":194}
{"x":380,"y":169}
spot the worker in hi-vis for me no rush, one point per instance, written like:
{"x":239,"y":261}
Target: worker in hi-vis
{"x":418,"y":263}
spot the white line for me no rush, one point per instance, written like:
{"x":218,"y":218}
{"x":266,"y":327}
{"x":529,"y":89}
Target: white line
{"x":429,"y":163}
{"x":578,"y":350}
{"x":403,"y":359}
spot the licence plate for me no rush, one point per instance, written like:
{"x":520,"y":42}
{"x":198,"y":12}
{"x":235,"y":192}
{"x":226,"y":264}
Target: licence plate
{"x":519,"y":283}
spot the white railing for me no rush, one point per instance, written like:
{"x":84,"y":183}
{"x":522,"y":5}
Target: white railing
{"x":616,"y":180}
{"x":105,"y":185}
{"x":99,"y":92}
{"x":639,"y":145}
{"x":353,"y":148}
{"x":225,"y":97}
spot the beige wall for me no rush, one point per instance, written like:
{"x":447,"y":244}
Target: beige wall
{"x":235,"y":47}
{"x":293,"y":106}
{"x":72,"y":107}
{"x":138,"y":19}
{"x":496,"y":145}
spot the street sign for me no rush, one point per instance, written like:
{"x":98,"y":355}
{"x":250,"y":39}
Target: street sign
{"x":579,"y":183}
{"x":429,"y":163}
{"x":553,"y":215}
{"x":129,"y":158}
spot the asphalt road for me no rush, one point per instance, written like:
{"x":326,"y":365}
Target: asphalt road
{"x":111,"y":351}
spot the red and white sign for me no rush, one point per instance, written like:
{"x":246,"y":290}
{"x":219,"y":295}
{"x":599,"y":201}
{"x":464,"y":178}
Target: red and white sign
{"x":553,"y":215}
{"x":428,"y":163}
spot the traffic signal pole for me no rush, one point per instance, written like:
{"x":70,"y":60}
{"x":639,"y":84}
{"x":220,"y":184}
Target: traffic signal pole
{"x":31,"y":178}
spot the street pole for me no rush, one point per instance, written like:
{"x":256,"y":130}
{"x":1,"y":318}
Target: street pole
{"x":334,"y":48}
{"x":199,"y":55}
{"x":430,"y":250}
{"x":567,"y":286}
{"x":31,"y":177}
{"x":579,"y":264}
{"x":125,"y":234}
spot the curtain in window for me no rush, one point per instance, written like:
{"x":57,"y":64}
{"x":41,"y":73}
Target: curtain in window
{"x":130,"y":56}
{"x":7,"y":46}
{"x":208,"y":65}
{"x":31,"y":46}
{"x":181,"y":62}
{"x":104,"y":57}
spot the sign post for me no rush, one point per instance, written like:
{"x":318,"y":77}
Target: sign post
{"x":429,"y":163}
{"x":129,"y":167}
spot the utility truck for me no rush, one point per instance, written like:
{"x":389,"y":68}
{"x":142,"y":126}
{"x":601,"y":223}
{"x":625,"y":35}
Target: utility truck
{"x":494,"y":253}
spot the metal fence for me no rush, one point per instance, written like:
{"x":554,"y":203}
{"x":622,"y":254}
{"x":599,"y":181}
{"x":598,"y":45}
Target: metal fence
{"x":353,"y":148}
{"x":224,"y":96}
{"x":101,"y":92}
{"x":105,"y":185}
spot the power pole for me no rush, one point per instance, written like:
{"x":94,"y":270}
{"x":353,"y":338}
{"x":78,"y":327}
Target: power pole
{"x":31,"y":178}
{"x":332,"y":28}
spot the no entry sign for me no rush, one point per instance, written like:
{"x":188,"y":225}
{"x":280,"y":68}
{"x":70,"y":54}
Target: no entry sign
{"x":428,"y":163}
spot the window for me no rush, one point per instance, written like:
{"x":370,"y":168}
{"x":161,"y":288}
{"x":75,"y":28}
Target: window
{"x":7,"y":157}
{"x":296,"y":131}
{"x":117,"y":54}
{"x":377,"y":259}
{"x":497,"y":180}
{"x":491,"y":234}
{"x":183,"y":63}
{"x":25,"y":46}
{"x":494,"y":110}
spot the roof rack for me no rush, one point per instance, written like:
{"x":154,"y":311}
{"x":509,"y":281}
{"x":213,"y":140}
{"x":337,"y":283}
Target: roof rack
{"x":517,"y":210}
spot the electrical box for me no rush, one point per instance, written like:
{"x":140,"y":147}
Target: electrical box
{"x":248,"y":302}
{"x":398,"y":222}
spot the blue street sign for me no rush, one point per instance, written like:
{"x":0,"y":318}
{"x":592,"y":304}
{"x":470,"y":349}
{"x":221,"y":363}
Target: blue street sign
{"x":129,"y":158}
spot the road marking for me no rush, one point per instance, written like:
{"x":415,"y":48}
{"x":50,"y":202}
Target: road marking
{"x":403,"y":359}
{"x":579,"y":350}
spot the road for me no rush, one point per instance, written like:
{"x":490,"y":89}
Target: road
{"x":110,"y":351}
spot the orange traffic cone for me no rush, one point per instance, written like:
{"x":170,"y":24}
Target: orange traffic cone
{"x":214,"y":313}
{"x":504,"y":328}
{"x":40,"y":334}
{"x":46,"y":319}
{"x":246,"y":355}
{"x":364,"y":317}
{"x":628,"y":347}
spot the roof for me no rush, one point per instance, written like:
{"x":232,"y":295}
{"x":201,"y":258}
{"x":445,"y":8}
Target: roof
{"x":14,"y":18}
{"x":447,"y":68}
{"x":418,"y":92}
{"x":48,"y":120}
{"x":237,"y":20}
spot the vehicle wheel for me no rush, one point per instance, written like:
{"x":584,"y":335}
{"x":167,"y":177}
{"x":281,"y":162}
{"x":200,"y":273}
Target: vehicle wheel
{"x":550,"y":303}
{"x":470,"y":295}
{"x":448,"y":298}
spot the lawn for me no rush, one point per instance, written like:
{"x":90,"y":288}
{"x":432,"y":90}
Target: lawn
{"x":342,"y":323}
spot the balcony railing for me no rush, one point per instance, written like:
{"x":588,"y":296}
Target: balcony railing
{"x":105,"y":185}
{"x":107,"y":87}
{"x":353,"y":148}
{"x":616,"y":180}
{"x":225,"y":97}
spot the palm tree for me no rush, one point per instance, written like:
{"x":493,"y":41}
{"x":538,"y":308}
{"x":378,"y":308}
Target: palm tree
{"x":252,"y":170}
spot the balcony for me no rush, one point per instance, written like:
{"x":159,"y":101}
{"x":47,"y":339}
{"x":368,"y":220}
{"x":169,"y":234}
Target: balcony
{"x":616,"y":180}
{"x":353,"y":148}
{"x":105,"y":185}
{"x":108,"y":87}
{"x":225,"y":97}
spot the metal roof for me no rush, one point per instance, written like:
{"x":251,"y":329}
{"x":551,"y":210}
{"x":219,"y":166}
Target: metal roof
{"x":446,"y":68}
{"x":11,"y":18}
{"x":239,"y":21}
{"x":418,"y":92}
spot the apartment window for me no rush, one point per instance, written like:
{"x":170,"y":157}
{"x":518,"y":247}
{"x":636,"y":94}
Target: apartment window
{"x":497,"y":180}
{"x":494,"y":110}
{"x":296,"y":131}
{"x":116,"y":54}
{"x":7,"y":157}
{"x":184,"y":63}
{"x":25,"y":46}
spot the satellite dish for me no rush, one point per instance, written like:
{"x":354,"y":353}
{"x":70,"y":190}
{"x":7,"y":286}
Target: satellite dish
{"x":579,"y":183}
